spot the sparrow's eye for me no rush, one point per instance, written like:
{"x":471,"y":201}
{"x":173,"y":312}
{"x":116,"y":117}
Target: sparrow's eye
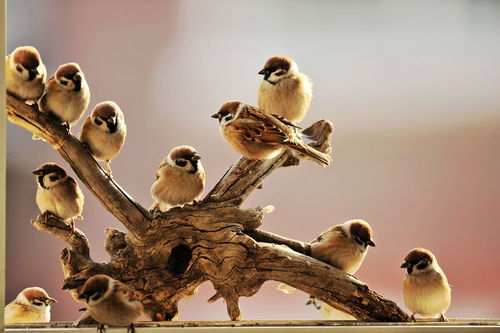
{"x":64,"y":82}
{"x":98,"y":122}
{"x":228,"y":117}
{"x":19,"y":68}
{"x":181,"y":162}
{"x":358,"y":240}
{"x":37,"y":302}
{"x":422,"y":265}
{"x":54,"y":177}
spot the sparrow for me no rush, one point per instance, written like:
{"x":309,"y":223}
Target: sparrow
{"x":25,"y":73}
{"x":58,"y":194}
{"x":109,"y":302}
{"x":104,"y":132}
{"x":259,"y":135}
{"x":425,"y":287}
{"x":67,"y":95}
{"x":284,"y":91}
{"x":344,"y":246}
{"x":32,"y":305}
{"x":180,"y":179}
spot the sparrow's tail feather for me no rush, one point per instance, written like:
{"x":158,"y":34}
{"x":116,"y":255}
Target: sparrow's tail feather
{"x":315,"y":155}
{"x":284,"y":288}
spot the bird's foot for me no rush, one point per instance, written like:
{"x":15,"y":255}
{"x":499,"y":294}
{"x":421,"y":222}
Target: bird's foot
{"x":312,"y":300}
{"x":101,"y":328}
{"x":46,"y":216}
{"x":131,"y":328}
{"x":413,"y":317}
{"x":72,"y":226}
{"x":442,"y":318}
{"x":108,"y":170}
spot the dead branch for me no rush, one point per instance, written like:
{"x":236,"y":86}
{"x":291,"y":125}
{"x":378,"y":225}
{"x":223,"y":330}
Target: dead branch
{"x":170,"y":254}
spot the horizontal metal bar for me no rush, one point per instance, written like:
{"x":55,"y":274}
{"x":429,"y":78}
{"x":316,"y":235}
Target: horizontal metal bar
{"x":279,"y":326}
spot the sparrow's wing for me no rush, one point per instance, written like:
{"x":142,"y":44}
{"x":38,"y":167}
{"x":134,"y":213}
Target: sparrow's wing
{"x":257,"y":131}
{"x":270,"y":120}
{"x":125,"y":290}
{"x":335,"y":229}
{"x":162,"y":164}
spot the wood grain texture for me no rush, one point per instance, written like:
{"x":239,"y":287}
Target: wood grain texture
{"x":166,"y":256}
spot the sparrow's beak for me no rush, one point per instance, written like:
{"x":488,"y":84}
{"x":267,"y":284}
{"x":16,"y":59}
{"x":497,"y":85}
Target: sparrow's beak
{"x":112,"y":121}
{"x":266,"y":74}
{"x":77,"y":77}
{"x":32,"y":74}
{"x":370,"y":243}
{"x":84,"y":296}
{"x":196,"y":157}
{"x":405,"y":265}
{"x":216,"y":116}
{"x":50,"y":301}
{"x":38,"y":172}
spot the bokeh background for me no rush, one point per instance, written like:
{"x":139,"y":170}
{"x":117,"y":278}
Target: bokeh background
{"x":412,"y":87}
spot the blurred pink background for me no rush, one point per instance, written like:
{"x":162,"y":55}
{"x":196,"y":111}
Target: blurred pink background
{"x":413,"y":89}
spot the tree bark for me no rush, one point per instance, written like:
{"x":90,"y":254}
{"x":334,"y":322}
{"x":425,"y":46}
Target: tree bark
{"x":166,"y":256}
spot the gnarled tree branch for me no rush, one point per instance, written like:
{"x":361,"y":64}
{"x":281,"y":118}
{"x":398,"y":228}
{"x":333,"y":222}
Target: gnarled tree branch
{"x":170,"y":254}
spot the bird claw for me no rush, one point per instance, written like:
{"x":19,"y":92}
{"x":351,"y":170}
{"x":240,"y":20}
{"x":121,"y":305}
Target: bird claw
{"x":442,"y":318}
{"x":108,"y":170}
{"x":131,"y":328}
{"x":312,"y":300}
{"x":101,"y":328}
{"x":413,"y":317}
{"x":72,"y":226}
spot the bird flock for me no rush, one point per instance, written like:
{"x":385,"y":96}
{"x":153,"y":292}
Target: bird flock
{"x":258,"y":133}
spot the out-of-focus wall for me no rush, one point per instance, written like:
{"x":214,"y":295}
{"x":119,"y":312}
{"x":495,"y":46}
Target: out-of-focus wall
{"x":413,"y":89}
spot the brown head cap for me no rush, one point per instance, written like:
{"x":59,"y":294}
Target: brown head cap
{"x":185,"y":152}
{"x":230,"y":107}
{"x":95,"y":287}
{"x":105,"y":110}
{"x":27,"y":56}
{"x":361,"y":232}
{"x":49,"y":168}
{"x":68,"y":70}
{"x":278,"y":62}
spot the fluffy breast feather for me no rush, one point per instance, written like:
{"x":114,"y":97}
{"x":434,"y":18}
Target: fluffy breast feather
{"x":175,"y":187}
{"x":64,"y":200}
{"x":427,"y":294}
{"x":69,"y":106}
{"x":289,"y":98}
{"x":22,"y":89}
{"x":16,"y":312}
{"x":103,"y":145}
{"x":335,"y":248}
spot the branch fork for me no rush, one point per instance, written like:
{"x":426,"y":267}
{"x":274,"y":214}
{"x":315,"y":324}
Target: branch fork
{"x":164,"y":257}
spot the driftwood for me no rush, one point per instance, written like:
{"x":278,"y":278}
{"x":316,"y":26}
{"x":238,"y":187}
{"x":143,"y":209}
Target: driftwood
{"x":166,"y":256}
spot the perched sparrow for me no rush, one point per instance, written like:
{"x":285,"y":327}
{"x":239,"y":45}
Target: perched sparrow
{"x":425,"y":288}
{"x":67,"y":95}
{"x":25,"y":73}
{"x":344,"y":246}
{"x":284,"y":91}
{"x":180,"y":179}
{"x":104,"y":132}
{"x":32,"y":305}
{"x":58,"y":194}
{"x":259,"y":135}
{"x":109,"y":302}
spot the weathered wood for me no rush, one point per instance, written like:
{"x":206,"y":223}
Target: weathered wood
{"x":166,"y":256}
